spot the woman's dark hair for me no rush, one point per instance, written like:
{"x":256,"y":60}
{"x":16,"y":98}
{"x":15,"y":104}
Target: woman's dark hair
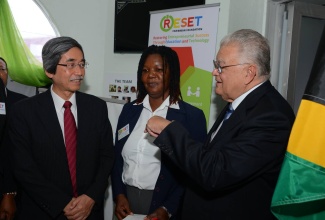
{"x":171,"y":62}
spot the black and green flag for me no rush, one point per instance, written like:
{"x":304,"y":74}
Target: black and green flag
{"x":300,"y":191}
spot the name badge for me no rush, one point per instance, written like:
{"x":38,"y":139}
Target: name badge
{"x":123,"y":132}
{"x":2,"y":108}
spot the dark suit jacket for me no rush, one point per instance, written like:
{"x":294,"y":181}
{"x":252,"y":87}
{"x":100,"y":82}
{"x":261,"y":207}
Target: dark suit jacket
{"x":235,"y":173}
{"x":40,"y":161}
{"x":8,"y":183}
{"x":13,"y":97}
{"x":168,"y":191}
{"x":3,"y":118}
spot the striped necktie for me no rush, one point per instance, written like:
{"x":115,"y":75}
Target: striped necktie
{"x":70,"y":135}
{"x":229,"y":111}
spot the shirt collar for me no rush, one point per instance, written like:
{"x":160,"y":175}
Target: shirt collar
{"x":58,"y":101}
{"x":166,"y":102}
{"x":237,"y":101}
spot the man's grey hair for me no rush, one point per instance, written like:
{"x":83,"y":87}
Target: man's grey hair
{"x":254,"y":48}
{"x":53,"y":50}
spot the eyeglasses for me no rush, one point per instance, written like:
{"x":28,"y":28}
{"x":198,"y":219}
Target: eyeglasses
{"x":220,"y":68}
{"x":71,"y":66}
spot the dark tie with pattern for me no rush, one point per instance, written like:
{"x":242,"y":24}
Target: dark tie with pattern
{"x":229,"y":111}
{"x":70,"y":135}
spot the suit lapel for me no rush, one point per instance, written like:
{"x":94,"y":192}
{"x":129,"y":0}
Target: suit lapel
{"x":46,"y":111}
{"x":84,"y":111}
{"x":230,"y":123}
{"x":216,"y":125}
{"x":219,"y":120}
{"x":179,"y":114}
{"x":249,"y":102}
{"x":132,"y":117}
{"x":84,"y":120}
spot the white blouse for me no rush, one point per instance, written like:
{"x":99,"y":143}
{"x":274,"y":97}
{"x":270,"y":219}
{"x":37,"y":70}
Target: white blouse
{"x":142,"y":159}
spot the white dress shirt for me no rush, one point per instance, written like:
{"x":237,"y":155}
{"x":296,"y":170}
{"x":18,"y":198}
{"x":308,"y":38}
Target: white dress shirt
{"x":142,"y":159}
{"x":58,"y":103}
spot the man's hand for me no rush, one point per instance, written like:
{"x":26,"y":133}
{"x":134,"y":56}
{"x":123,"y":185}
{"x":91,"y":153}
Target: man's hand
{"x":122,"y":208}
{"x":155,"y":125}
{"x":158,"y":214}
{"x":7,"y":207}
{"x":79,"y":208}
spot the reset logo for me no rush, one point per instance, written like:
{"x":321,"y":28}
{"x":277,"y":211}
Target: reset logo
{"x":168,"y":22}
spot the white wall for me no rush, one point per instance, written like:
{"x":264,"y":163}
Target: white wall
{"x":247,"y":14}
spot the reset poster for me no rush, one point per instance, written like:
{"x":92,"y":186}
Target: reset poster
{"x":192,"y":33}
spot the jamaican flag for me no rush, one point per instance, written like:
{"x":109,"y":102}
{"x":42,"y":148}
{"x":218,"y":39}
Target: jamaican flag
{"x":300,"y":190}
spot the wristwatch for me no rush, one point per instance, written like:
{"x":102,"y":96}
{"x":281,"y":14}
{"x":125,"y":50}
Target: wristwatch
{"x":10,"y":193}
{"x":169,"y":215}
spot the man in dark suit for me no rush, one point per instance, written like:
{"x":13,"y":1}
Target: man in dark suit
{"x":8,"y":96}
{"x":237,"y":168}
{"x":11,"y":97}
{"x":62,"y":175}
{"x":8,"y":186}
{"x":3,"y":77}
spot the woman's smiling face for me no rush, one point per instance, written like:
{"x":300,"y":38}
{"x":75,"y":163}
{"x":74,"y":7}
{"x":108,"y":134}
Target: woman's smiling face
{"x":155,"y":78}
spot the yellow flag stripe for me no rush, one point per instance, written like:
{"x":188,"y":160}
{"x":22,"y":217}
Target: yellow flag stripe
{"x":307,"y":138}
